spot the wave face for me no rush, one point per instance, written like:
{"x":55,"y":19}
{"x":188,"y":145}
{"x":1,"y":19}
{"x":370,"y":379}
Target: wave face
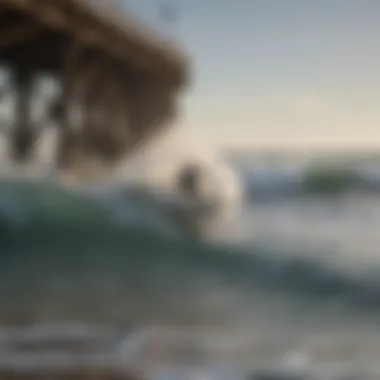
{"x":65,"y":253}
{"x":108,"y":258}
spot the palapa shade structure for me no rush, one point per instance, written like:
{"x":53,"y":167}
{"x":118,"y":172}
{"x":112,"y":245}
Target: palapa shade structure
{"x":122,"y":77}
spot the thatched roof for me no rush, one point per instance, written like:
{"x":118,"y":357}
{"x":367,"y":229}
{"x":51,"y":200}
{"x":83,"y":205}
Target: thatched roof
{"x":102,"y":25}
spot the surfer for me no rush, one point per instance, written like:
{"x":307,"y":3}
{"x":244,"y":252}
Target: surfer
{"x":189,"y":182}
{"x":199,"y":210}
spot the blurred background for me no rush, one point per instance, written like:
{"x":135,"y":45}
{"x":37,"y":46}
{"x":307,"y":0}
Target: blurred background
{"x":239,"y":242}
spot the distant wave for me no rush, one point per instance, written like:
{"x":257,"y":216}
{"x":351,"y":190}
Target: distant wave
{"x":308,"y":182}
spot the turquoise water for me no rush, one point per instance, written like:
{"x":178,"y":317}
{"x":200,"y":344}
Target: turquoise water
{"x":65,"y":258}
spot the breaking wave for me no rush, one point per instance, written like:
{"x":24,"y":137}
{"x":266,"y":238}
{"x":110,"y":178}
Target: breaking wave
{"x":64,"y":254}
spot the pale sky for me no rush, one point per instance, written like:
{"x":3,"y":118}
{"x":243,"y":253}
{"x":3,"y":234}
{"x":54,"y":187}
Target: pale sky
{"x":279,"y":72}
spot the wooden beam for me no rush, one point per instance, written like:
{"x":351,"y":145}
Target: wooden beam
{"x":20,"y":4}
{"x":18,"y":35}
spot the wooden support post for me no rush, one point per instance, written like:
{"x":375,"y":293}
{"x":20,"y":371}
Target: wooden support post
{"x":105,"y":128}
{"x":24,"y":135}
{"x":93,"y":110}
{"x":122,"y":109}
{"x":68,"y":139}
{"x":115,"y":130}
{"x":105,"y":123}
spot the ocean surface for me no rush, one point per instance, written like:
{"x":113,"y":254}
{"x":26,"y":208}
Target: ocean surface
{"x":291,"y":287}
